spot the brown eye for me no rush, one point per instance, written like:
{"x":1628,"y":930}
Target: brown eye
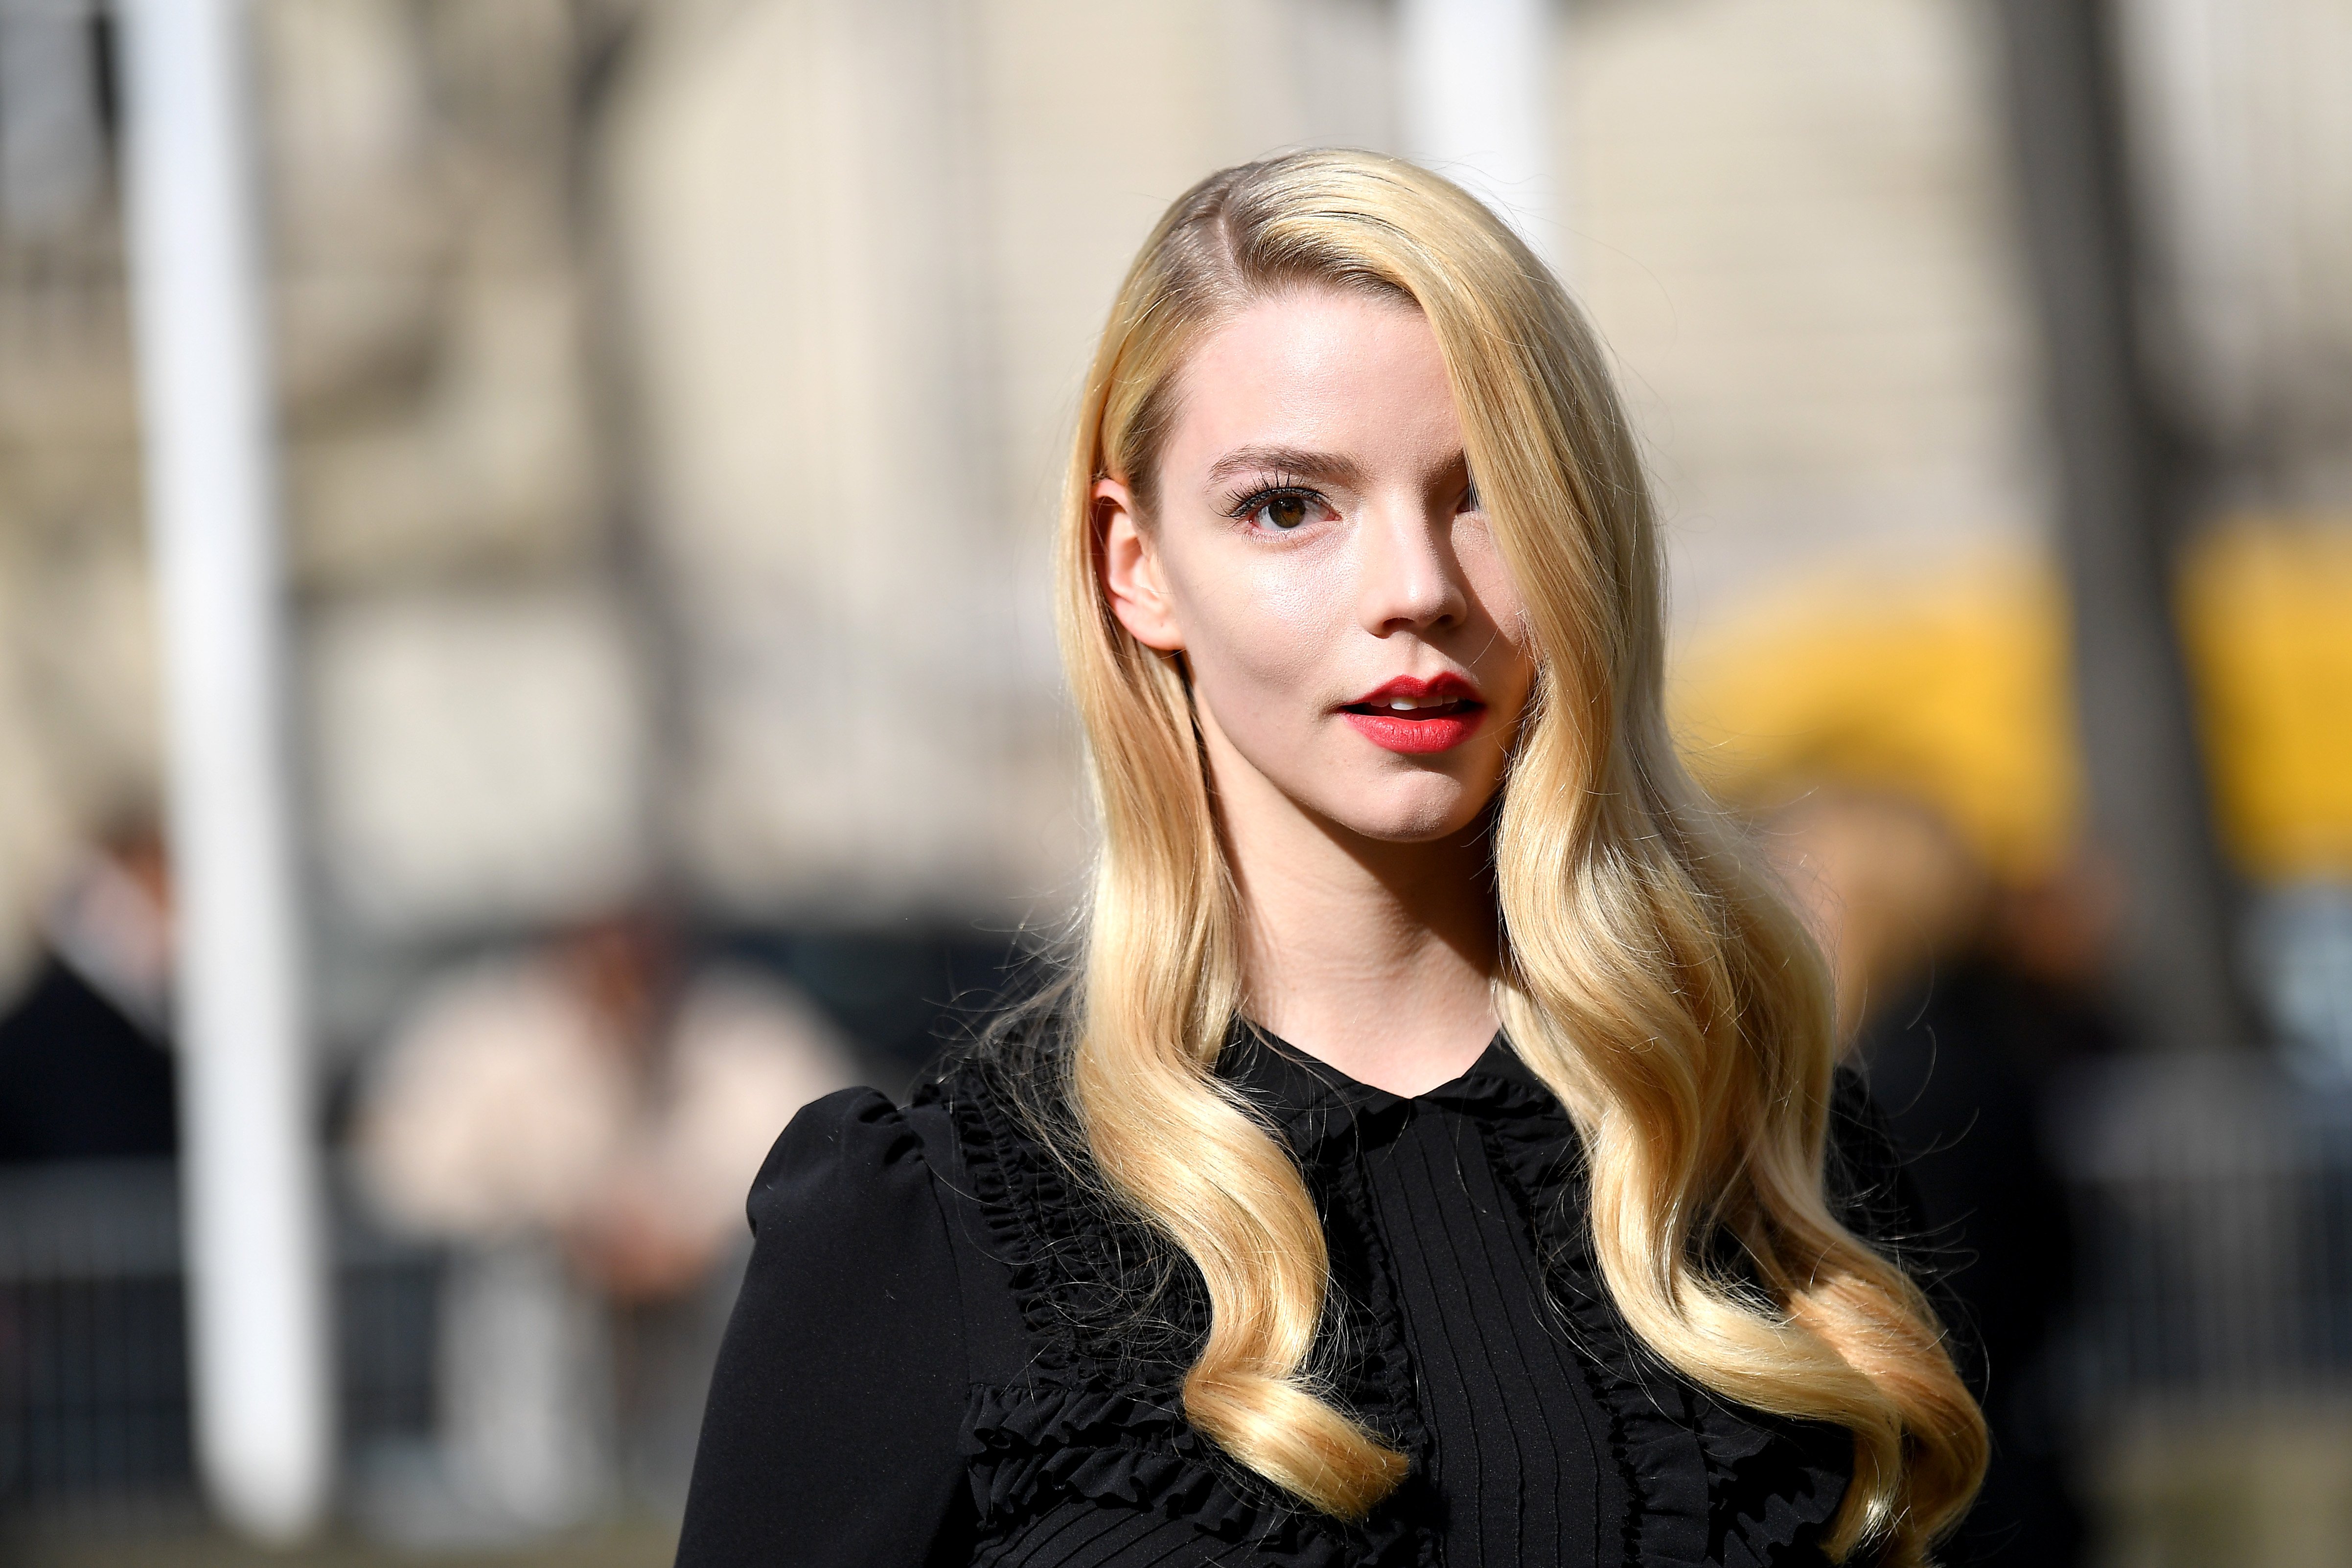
{"x":1281,"y":511}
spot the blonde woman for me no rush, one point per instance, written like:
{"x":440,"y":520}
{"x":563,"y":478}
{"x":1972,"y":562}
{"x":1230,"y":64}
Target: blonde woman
{"x":1433,"y":1152}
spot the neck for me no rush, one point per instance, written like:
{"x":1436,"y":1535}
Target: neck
{"x":1375,"y":957}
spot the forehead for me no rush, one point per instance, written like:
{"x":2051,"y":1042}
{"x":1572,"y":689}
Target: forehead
{"x":1349,"y":372}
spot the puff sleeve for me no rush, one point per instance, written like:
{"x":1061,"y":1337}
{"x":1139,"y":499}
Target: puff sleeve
{"x":832,"y":1433}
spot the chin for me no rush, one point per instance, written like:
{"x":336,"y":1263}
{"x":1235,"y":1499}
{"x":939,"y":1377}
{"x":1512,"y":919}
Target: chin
{"x":1430,"y":808}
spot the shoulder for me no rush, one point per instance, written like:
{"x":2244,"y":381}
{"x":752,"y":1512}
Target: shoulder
{"x":918,"y":1201}
{"x":846,"y":1163}
{"x":844,"y":1370}
{"x":855,"y":1240}
{"x":850,"y":1135}
{"x":862,"y":1200}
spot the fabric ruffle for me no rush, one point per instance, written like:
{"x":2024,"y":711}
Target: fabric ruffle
{"x":1013,"y":1193}
{"x":1035,"y":1443}
{"x":1763,"y":1503}
{"x":1095,"y":1303}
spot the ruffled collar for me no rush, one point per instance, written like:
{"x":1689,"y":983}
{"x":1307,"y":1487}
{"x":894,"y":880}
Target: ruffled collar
{"x":1316,"y":1106}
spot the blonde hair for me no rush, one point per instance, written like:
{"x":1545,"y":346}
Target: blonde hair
{"x":1652,"y":978}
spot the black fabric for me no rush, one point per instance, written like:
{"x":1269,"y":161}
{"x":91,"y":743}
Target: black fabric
{"x":952,"y":1349}
{"x":78,"y":1081}
{"x":834,"y":1425}
{"x":1497,"y":1373}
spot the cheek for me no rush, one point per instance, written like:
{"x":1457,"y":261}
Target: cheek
{"x":1263,"y":625}
{"x":1485,"y":574}
{"x":1508,"y":662}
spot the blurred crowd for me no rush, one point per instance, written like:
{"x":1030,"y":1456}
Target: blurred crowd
{"x":571,"y":1124}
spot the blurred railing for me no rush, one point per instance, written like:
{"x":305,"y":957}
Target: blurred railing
{"x":93,"y":1355}
{"x":2214,"y":1205}
{"x":94,"y":1412}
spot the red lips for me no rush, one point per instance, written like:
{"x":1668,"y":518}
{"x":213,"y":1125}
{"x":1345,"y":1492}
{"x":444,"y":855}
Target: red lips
{"x":1447,"y":712}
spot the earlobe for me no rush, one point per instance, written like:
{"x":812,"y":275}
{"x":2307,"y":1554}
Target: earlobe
{"x":1130,"y":569}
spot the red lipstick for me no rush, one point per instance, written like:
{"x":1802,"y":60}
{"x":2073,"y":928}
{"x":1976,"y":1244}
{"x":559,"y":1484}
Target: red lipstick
{"x":1417,"y":716}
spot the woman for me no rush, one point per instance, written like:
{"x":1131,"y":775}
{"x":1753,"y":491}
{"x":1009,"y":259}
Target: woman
{"x":1431,"y":1154}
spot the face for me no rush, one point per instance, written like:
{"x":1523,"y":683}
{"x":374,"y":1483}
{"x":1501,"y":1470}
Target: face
{"x":1317,"y":554}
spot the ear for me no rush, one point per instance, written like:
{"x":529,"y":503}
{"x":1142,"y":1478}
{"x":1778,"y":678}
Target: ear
{"x":1131,"y":572}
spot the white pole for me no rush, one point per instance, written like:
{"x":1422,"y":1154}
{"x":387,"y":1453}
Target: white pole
{"x":1474,"y":104}
{"x":249,"y":1169}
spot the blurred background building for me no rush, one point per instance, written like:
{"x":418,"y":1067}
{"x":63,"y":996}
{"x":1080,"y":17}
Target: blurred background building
{"x":672,"y":401}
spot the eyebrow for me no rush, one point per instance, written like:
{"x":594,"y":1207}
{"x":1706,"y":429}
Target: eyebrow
{"x":1329,"y":467}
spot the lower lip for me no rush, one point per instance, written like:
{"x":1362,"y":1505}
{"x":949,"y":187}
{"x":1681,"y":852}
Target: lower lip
{"x":1416,"y":737}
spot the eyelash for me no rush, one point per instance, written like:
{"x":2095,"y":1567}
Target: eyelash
{"x":1241,"y":503}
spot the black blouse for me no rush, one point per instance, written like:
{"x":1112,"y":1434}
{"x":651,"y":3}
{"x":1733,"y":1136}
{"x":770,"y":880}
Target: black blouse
{"x":948,"y":1352}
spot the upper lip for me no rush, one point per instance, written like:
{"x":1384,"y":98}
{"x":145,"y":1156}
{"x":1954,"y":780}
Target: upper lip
{"x":1446,"y":687}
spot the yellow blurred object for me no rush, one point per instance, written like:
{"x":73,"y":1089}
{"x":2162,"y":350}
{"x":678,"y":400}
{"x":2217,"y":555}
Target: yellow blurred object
{"x":2266,"y":618}
{"x":1953,"y":691}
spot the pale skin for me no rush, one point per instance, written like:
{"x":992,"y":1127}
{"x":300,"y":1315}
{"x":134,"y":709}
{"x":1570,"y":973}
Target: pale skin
{"x":1314,"y":534}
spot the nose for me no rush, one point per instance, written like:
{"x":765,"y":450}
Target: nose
{"x":1409,"y":578}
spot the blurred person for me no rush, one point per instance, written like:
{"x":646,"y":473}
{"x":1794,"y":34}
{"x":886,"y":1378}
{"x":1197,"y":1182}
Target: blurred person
{"x":1262,"y":1237}
{"x":1886,"y":886}
{"x":581,"y":1120}
{"x":86,"y":1064}
{"x":1963,"y":999}
{"x":88,"y":1082}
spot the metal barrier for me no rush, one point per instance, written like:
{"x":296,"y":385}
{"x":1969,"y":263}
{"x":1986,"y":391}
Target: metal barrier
{"x":94,"y":1395}
{"x":2215,"y":1200}
{"x":93,"y":1356}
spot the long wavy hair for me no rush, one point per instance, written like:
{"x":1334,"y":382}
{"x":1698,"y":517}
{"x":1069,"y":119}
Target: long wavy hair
{"x":1651,"y":976}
